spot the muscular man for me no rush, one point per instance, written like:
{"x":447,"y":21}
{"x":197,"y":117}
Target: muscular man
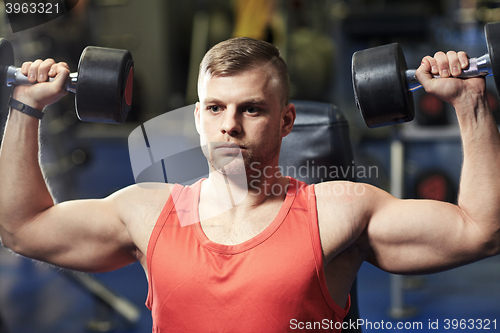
{"x":261,"y":263}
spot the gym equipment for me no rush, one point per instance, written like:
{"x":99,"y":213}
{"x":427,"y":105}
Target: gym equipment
{"x":105,"y":296}
{"x":383,"y":84}
{"x":435,"y":184}
{"x":431,"y":111}
{"x":102,"y":86}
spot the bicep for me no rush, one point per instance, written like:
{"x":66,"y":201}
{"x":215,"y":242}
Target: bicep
{"x":85,"y":235}
{"x":419,"y":236}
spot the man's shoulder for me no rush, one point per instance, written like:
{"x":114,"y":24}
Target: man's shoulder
{"x":341,"y":202}
{"x":143,"y":191}
{"x":141,"y":197}
{"x":345,"y":204}
{"x":341,"y":190}
{"x":138,"y":207}
{"x":341,"y":210}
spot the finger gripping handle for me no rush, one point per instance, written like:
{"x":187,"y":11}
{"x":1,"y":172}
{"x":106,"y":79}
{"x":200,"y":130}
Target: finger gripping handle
{"x":15,"y":77}
{"x":477,"y":67}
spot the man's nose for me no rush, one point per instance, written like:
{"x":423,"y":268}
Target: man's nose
{"x":231,"y":123}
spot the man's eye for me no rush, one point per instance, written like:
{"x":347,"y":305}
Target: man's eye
{"x":214,"y":108}
{"x":251,"y":110}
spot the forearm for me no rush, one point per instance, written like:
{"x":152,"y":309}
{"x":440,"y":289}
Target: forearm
{"x":23,"y":192}
{"x":479,"y":195}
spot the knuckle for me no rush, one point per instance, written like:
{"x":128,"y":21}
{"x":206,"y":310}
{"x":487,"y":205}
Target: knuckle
{"x":25,"y":66}
{"x":52,"y":69}
{"x":47,"y":63}
{"x":34,"y":66}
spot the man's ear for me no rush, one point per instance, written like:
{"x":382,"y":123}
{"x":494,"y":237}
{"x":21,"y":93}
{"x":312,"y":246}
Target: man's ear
{"x":197,"y":117}
{"x":287,"y":119}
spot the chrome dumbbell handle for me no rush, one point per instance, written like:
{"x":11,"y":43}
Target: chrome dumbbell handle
{"x":15,"y":77}
{"x":477,"y":67}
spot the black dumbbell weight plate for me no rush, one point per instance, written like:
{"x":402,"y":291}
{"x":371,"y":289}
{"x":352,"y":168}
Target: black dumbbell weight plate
{"x":492,"y":33}
{"x":380,"y":88}
{"x":104,"y":88}
{"x":6,"y":60}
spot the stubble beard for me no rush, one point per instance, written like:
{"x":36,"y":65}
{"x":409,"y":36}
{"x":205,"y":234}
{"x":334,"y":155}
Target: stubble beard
{"x":247,"y":162}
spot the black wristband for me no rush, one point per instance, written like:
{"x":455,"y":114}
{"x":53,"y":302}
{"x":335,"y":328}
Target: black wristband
{"x":15,"y":104}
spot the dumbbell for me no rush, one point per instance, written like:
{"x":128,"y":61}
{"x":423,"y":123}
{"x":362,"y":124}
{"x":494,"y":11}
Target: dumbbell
{"x":102,"y":86}
{"x":383,"y":85}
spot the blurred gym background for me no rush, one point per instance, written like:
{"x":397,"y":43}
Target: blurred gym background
{"x":317,"y":38}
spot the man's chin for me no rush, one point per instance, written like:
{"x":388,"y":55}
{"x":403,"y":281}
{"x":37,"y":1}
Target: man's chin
{"x":230,"y":165}
{"x":230,"y":169}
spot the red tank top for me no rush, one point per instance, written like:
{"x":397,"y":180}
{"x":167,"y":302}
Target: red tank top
{"x":273,"y":282}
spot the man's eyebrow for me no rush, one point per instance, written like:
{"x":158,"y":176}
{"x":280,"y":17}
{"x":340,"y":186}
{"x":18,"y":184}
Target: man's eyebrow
{"x":212,"y":101}
{"x":254,"y":101}
{"x":251,"y":101}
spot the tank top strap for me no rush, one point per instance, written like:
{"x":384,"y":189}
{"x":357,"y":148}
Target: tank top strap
{"x":175,"y":192}
{"x":318,"y":255}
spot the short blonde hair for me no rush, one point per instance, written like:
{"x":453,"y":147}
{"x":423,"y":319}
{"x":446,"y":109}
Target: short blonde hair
{"x":237,"y":55}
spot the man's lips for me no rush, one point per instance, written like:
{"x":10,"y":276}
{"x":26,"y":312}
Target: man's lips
{"x":229,"y":148}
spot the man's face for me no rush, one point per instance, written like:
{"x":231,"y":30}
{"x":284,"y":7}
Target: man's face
{"x":240,"y":114}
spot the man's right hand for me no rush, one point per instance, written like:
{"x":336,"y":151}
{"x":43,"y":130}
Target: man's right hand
{"x":42,"y":93}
